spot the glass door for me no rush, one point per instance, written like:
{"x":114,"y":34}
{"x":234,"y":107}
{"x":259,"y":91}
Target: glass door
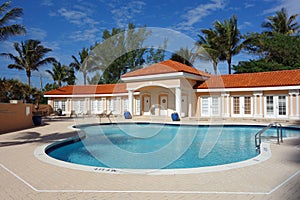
{"x":276,"y":106}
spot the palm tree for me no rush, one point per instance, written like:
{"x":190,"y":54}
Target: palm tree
{"x":7,"y":16}
{"x":210,"y":44}
{"x":229,"y":39}
{"x":71,"y":76}
{"x":185,"y":56}
{"x":59,"y":73}
{"x":281,"y":23}
{"x":85,"y":63}
{"x":30,"y":57}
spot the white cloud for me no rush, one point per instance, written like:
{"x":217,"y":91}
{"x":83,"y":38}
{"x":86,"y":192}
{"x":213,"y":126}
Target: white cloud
{"x":52,"y":45}
{"x":47,"y":3}
{"x":76,"y":17}
{"x":124,"y":14}
{"x":85,"y":35}
{"x":36,"y":33}
{"x":248,"y":5}
{"x":245,"y":25}
{"x":195,"y":15}
{"x":292,"y":7}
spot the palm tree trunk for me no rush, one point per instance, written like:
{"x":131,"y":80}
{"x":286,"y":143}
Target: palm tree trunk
{"x":229,"y":65}
{"x":84,"y":78}
{"x":28,"y":73}
{"x":215,"y":66}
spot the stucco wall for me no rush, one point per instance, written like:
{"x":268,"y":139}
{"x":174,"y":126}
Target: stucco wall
{"x":15,"y":117}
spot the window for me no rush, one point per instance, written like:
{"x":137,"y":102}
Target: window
{"x":115,"y":104}
{"x":125,"y":104}
{"x":110,"y":104}
{"x":60,"y":105}
{"x":99,"y":105}
{"x":236,"y":105}
{"x":282,"y":105}
{"x":138,"y":106}
{"x":247,"y":105}
{"x":204,"y":106}
{"x":81,"y":105}
{"x":63,"y":105}
{"x":56,"y":105}
{"x":270,"y":105}
{"x":76,"y":106}
{"x":215,"y":106}
{"x":94,"y":105}
{"x":276,"y":106}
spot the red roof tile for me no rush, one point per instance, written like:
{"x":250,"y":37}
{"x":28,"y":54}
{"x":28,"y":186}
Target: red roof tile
{"x":89,"y":89}
{"x":168,"y":66}
{"x":261,"y":79}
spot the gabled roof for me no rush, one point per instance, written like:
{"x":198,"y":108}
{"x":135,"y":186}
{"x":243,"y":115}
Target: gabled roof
{"x":168,"y":66}
{"x":89,"y":89}
{"x":260,"y":79}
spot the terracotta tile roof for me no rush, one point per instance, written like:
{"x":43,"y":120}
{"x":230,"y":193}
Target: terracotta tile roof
{"x":168,"y":66}
{"x":261,"y":79}
{"x":89,"y":89}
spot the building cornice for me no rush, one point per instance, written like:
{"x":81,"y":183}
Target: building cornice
{"x":250,"y":89}
{"x":92,"y":95}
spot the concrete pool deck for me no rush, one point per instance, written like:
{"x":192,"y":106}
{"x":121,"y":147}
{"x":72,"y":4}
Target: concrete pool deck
{"x":23,"y":176}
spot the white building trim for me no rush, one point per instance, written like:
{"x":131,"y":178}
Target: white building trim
{"x":92,"y":95}
{"x":250,"y":89}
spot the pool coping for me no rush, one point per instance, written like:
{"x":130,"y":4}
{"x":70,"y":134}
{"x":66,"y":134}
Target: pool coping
{"x":40,"y":153}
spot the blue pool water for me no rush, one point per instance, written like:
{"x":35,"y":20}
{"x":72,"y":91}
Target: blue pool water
{"x":161,"y":146}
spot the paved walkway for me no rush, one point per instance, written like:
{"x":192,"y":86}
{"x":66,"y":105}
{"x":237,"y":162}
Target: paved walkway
{"x":23,"y":176}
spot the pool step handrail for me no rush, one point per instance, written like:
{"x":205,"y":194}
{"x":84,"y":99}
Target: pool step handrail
{"x":259,"y":133}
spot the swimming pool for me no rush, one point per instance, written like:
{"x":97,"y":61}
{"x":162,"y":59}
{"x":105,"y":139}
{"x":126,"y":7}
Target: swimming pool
{"x":160,"y":146}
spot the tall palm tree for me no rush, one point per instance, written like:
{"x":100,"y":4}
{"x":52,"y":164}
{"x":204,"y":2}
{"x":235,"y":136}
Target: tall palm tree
{"x":71,"y":76}
{"x":7,"y":16}
{"x":185,"y":56}
{"x":31,"y":56}
{"x":84,"y":65}
{"x":210,"y":44}
{"x":59,"y":73}
{"x":281,"y":23}
{"x":229,"y":38}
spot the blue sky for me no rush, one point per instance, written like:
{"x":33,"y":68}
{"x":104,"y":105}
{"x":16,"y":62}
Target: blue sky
{"x":66,"y":26}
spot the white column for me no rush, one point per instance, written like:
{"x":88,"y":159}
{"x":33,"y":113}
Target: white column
{"x":260,"y":105}
{"x":227,"y":108}
{"x":130,"y":101}
{"x":255,"y":106}
{"x":223,"y":106}
{"x":291,"y":105}
{"x":87,"y":105}
{"x":297,"y":105}
{"x":190,"y":103}
{"x":178,"y":100}
{"x":225,"y":113}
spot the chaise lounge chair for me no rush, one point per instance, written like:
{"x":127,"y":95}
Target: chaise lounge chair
{"x":105,"y":114}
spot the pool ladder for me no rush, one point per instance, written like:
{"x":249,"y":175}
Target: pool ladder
{"x":258,"y":135}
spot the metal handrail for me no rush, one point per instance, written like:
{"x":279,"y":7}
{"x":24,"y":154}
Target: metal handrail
{"x":259,"y":133}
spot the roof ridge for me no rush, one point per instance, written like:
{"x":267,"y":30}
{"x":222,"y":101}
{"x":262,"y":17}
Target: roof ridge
{"x":174,"y":66}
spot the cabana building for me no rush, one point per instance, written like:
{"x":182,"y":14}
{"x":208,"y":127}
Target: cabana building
{"x":166,"y":87}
